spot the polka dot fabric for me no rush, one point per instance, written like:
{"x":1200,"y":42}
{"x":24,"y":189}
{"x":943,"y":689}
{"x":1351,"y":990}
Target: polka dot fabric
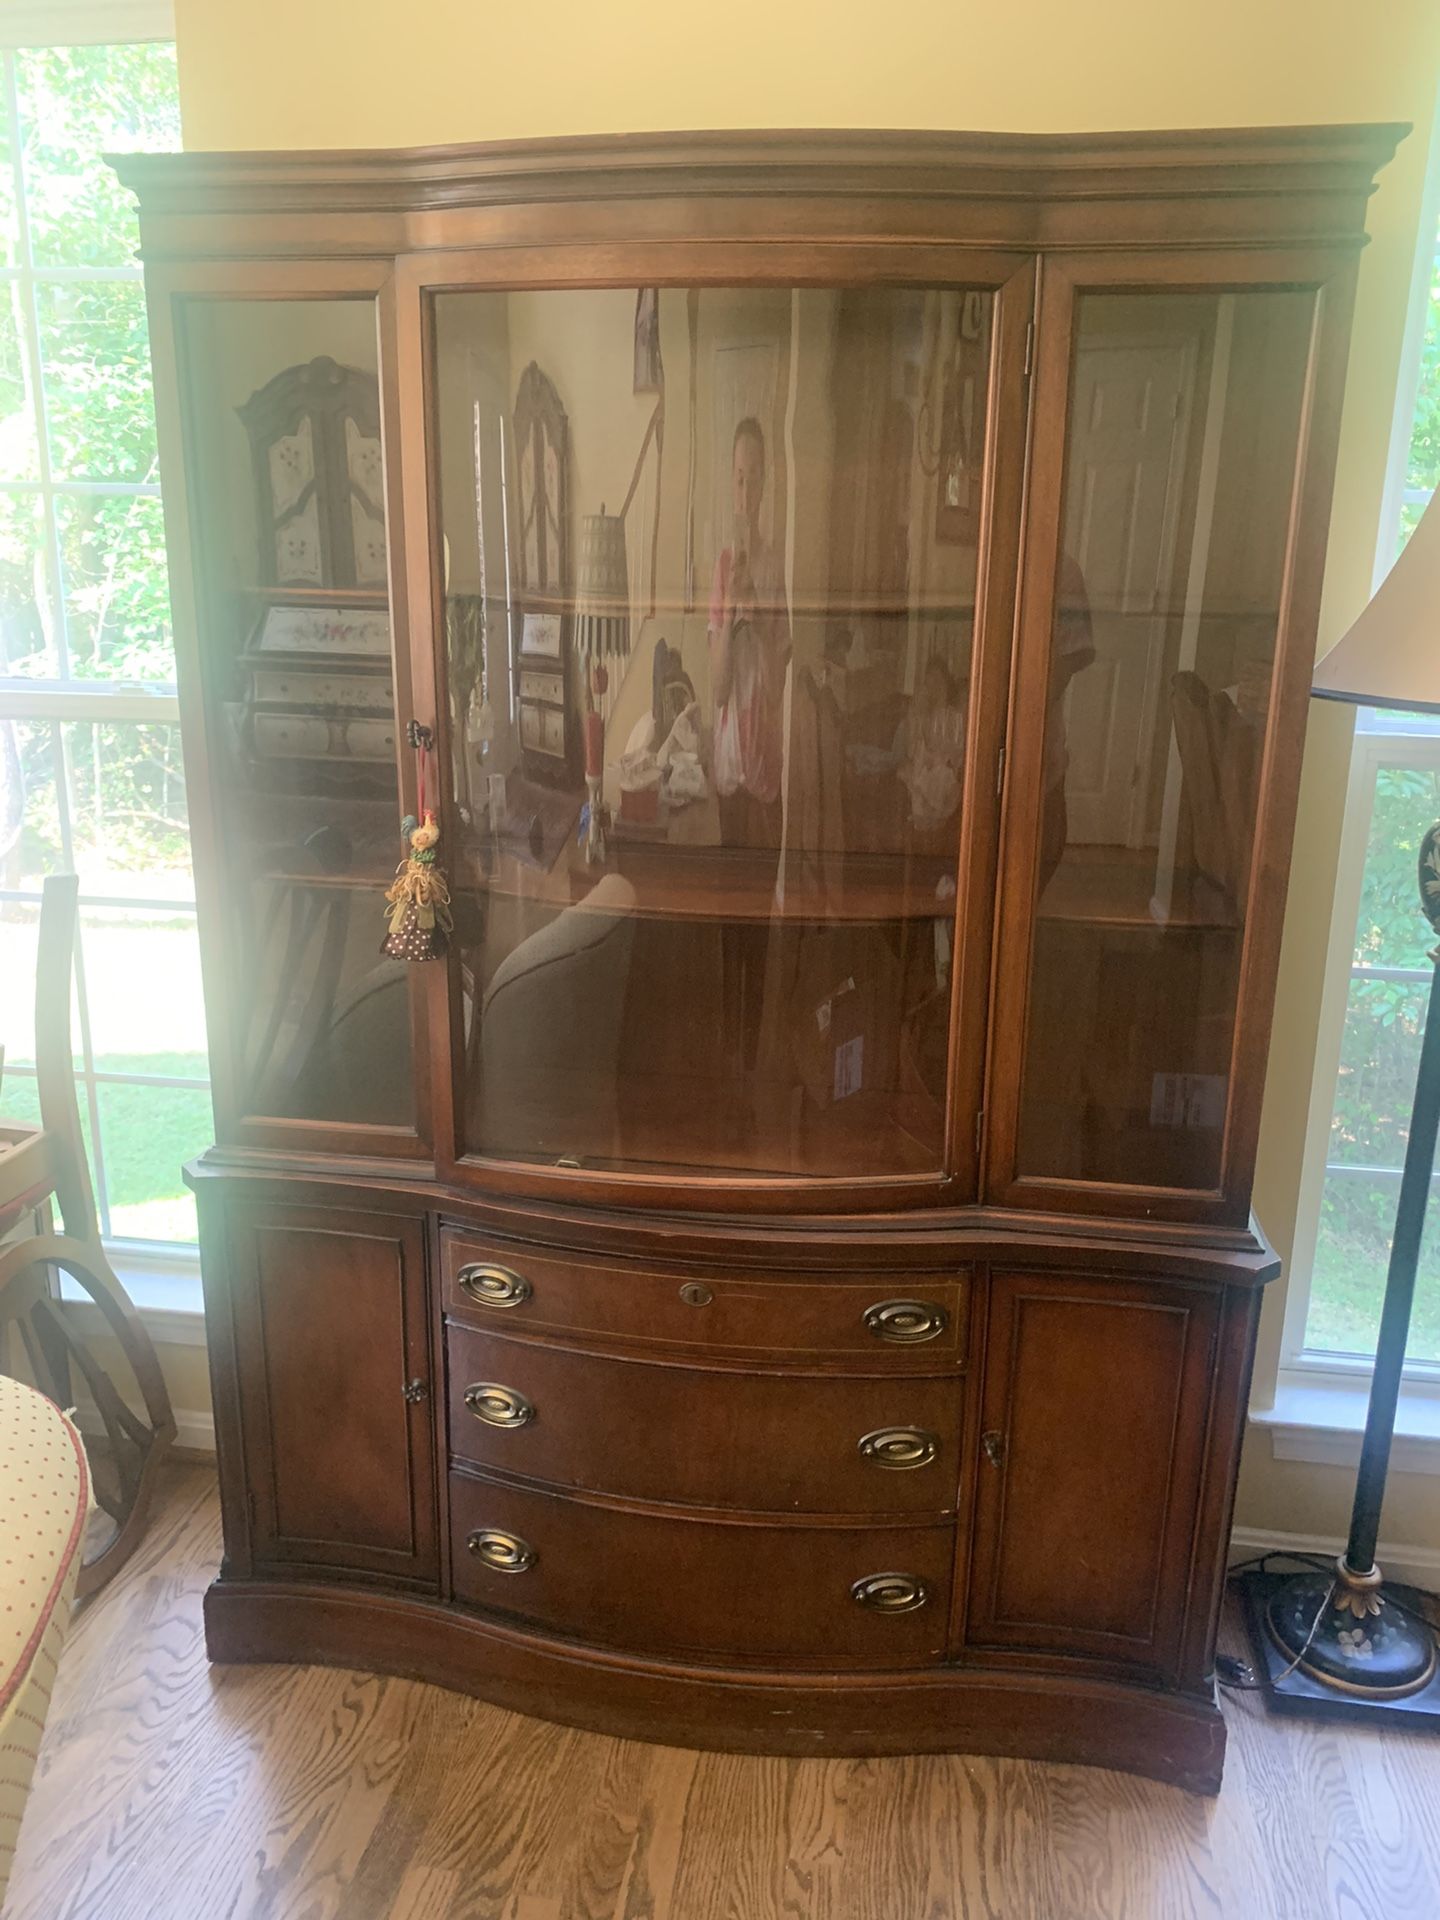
{"x":44,"y":1502}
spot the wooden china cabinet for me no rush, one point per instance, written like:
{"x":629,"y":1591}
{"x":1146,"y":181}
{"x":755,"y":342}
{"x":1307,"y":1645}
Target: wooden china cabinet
{"x":785,"y":1278}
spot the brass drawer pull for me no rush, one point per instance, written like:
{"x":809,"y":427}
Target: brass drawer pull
{"x":501,"y":1552}
{"x":906,"y":1322}
{"x":890,"y":1592}
{"x":900,"y":1449}
{"x":498,"y":1406}
{"x":494,"y":1286}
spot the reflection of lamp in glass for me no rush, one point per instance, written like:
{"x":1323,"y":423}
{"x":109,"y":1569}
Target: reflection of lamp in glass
{"x":602,"y":589}
{"x":1342,"y":1636}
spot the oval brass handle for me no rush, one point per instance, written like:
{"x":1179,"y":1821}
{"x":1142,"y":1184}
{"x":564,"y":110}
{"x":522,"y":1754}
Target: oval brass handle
{"x":498,"y":1406}
{"x":900,"y":1448}
{"x":494,"y":1286}
{"x":906,"y":1322}
{"x":501,"y":1552}
{"x":890,"y":1592}
{"x":696,"y":1295}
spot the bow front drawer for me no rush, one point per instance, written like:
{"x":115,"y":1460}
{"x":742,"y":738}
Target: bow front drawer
{"x":665,"y":1583}
{"x":915,"y":1321}
{"x":705,"y":1436}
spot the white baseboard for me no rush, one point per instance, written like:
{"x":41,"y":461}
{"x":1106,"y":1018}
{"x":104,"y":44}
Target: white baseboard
{"x":194,"y":1430}
{"x":1413,"y":1566}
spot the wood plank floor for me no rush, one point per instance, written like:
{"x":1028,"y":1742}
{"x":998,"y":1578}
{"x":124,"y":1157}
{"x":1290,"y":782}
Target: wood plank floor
{"x":170,"y":1790}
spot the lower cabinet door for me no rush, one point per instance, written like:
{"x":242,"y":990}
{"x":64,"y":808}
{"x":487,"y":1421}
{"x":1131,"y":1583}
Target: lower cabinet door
{"x":1095,"y":1401}
{"x":331,"y":1353}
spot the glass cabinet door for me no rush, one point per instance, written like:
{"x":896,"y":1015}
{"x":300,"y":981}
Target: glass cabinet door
{"x":1180,"y":471}
{"x":710,"y":561}
{"x":287,"y":498}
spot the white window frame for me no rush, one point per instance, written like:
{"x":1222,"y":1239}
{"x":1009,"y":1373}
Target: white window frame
{"x":1318,"y":1405}
{"x":163,"y":1276}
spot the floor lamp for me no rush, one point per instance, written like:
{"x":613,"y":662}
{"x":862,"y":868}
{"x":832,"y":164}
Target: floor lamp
{"x":1327,"y":1638}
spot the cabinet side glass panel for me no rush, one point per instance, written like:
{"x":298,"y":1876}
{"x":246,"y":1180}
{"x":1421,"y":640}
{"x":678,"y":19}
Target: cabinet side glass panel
{"x":1184,"y":427}
{"x":287,"y":500}
{"x":710,"y":560}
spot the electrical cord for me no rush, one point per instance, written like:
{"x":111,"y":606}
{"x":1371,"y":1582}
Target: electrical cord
{"x":1228,"y":1669}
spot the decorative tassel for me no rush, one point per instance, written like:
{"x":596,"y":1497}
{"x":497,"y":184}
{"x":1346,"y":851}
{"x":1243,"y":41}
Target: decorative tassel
{"x":418,"y":899}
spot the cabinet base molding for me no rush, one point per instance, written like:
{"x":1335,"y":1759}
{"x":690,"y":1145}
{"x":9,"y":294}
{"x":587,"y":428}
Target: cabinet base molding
{"x":1175,"y":1738}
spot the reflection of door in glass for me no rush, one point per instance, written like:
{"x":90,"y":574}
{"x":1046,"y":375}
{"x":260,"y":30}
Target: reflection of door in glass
{"x":1131,"y":417}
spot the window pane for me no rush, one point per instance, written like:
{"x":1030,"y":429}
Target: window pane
{"x":284,"y":414}
{"x":19,"y":936}
{"x":142,"y":982}
{"x":1423,"y":474}
{"x":28,"y":794}
{"x":27,"y":602}
{"x":1352,"y":1250}
{"x":1390,"y":930}
{"x":1186,"y":412}
{"x":149,"y":1133}
{"x":1379,"y":1057}
{"x":19,"y":459}
{"x":127,"y":809}
{"x":18,"y":929}
{"x":117,"y":591}
{"x":9,"y":224}
{"x":20,"y":1100}
{"x":77,"y":103}
{"x":95,"y":351}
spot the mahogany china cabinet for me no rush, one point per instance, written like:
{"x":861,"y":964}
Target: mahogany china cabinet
{"x":783,"y":1277}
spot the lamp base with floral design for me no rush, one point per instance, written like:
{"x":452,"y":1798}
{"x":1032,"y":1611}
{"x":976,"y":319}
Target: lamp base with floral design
{"x":1344,"y":1631}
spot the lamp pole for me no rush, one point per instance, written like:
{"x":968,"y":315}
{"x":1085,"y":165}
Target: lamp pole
{"x":1342,"y":1630}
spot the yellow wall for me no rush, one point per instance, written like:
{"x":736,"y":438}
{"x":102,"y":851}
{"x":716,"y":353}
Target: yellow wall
{"x":269,"y":73}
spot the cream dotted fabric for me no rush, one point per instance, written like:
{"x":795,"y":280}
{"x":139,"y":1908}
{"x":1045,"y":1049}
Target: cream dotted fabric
{"x":44,"y":1502}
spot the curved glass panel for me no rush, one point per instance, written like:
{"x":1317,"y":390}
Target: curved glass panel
{"x":1185,"y":419}
{"x":710,"y":558}
{"x":287,"y":494}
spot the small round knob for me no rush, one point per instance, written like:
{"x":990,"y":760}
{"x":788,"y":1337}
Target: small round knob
{"x":491,"y":1286}
{"x":413,"y":1392}
{"x":890,"y":1592}
{"x":696,"y":1295}
{"x":906,"y":1323}
{"x":501,"y":1552}
{"x":498,"y":1406}
{"x":900,"y":1449}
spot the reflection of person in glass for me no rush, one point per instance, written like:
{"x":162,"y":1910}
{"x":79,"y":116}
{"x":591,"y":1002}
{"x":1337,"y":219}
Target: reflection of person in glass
{"x":749,"y":645}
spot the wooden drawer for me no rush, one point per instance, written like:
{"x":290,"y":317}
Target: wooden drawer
{"x":912,"y":1322}
{"x":662,"y":1583}
{"x":797,"y":1443}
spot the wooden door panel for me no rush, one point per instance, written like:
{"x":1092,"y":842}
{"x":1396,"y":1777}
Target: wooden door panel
{"x":1095,"y":1400}
{"x":331,"y":1325}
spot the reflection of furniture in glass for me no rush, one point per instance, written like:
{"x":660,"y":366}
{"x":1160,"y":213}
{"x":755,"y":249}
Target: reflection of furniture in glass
{"x":48,"y":1164}
{"x":315,"y":443}
{"x":551,"y":1020}
{"x":808,"y":1297}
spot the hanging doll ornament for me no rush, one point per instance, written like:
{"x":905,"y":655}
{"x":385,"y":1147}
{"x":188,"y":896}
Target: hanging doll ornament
{"x":418,"y":900}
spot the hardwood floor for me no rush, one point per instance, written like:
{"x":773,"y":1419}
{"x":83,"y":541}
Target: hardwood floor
{"x":170,"y":1790}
